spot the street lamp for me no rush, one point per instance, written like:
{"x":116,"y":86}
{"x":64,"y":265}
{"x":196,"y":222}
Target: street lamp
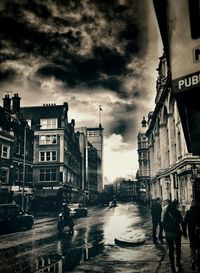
{"x":26,"y":126}
{"x":24,"y":166}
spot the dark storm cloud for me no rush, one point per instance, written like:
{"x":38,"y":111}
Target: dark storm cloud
{"x":58,"y":30}
{"x":122,"y":127}
{"x":83,"y":46}
{"x":123,"y":119}
{"x":89,"y":71}
{"x":7,"y":74}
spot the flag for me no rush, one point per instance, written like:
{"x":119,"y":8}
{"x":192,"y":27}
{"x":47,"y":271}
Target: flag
{"x":100,"y":108}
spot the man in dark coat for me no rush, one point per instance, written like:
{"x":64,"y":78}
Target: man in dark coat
{"x":156,"y":210}
{"x":192,"y":224}
{"x":173,"y":226}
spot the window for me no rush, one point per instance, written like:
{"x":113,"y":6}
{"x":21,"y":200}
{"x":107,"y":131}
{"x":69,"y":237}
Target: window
{"x":48,"y":140}
{"x":93,"y":133}
{"x":143,"y":145}
{"x":48,"y":156}
{"x":18,"y":175}
{"x":18,"y":146}
{"x":5,"y":153}
{"x":194,"y":9}
{"x":4,"y":175}
{"x":47,"y":175}
{"x":49,"y":123}
{"x":175,"y":178}
{"x":145,"y":163}
{"x":179,"y":144}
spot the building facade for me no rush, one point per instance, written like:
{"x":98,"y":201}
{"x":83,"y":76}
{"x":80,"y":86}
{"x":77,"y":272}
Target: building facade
{"x":16,"y":153}
{"x":57,"y":158}
{"x":93,"y":162}
{"x":171,"y":165}
{"x":6,"y":148}
{"x":43,"y":160}
{"x":95,"y":137}
{"x":178,"y":22}
{"x":143,"y":184}
{"x":92,"y":154}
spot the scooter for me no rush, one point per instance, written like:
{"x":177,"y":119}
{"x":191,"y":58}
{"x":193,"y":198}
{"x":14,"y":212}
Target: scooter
{"x":62,"y":223}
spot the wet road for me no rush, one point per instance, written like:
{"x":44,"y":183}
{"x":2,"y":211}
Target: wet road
{"x":43,"y":249}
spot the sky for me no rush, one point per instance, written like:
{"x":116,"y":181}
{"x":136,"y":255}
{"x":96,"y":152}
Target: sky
{"x":87,"y":53}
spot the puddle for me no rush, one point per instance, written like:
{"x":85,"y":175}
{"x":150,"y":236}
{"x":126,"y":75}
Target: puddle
{"x":57,"y":263}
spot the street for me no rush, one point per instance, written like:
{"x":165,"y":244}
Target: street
{"x":92,"y":248}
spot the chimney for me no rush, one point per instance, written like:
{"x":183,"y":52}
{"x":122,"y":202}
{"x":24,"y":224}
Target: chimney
{"x":65,"y":104}
{"x":16,"y":104}
{"x":7,"y":103}
{"x":73,"y":122}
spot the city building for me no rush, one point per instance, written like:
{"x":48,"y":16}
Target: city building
{"x":44,"y":161}
{"x":171,"y":165}
{"x":93,"y":163}
{"x":91,"y":146}
{"x":143,"y":184}
{"x":16,"y":142}
{"x":127,"y":190}
{"x":95,"y":137}
{"x":57,"y":156}
{"x":178,"y":22}
{"x":6,"y":147}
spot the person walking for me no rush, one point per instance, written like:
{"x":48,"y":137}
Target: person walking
{"x":173,"y":227}
{"x":164,"y":209}
{"x":192,"y":225}
{"x":156,"y":210}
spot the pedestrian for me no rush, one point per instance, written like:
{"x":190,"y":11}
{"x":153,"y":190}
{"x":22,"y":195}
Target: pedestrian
{"x":164,"y":209}
{"x":192,"y":225}
{"x":156,"y":210}
{"x":173,"y":227}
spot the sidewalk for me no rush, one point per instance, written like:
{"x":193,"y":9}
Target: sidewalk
{"x":164,"y":265}
{"x":147,"y":258}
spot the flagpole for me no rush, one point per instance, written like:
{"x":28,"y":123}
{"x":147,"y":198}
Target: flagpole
{"x":99,"y":115}
{"x":100,"y":109}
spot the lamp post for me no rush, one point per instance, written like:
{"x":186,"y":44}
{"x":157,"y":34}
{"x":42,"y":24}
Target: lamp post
{"x":32,"y":128}
{"x":24,"y":167}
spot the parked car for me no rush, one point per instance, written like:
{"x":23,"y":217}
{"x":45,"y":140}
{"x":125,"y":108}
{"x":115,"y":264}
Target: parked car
{"x":77,"y":210}
{"x":13,"y":218}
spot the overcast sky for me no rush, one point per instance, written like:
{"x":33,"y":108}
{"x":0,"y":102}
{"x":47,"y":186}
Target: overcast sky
{"x":88,"y":53}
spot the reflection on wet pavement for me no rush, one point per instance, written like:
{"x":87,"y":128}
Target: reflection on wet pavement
{"x":45,"y":250}
{"x":56,"y":263}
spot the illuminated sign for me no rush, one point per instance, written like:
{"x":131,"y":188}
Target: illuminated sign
{"x":15,"y":188}
{"x":187,"y":82}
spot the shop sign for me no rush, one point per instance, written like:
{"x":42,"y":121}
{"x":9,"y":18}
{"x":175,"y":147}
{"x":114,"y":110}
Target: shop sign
{"x":184,"y":50}
{"x":186,"y":83}
{"x":15,"y":188}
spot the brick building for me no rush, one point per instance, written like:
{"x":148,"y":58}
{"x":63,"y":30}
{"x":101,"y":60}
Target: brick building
{"x":57,"y":157}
